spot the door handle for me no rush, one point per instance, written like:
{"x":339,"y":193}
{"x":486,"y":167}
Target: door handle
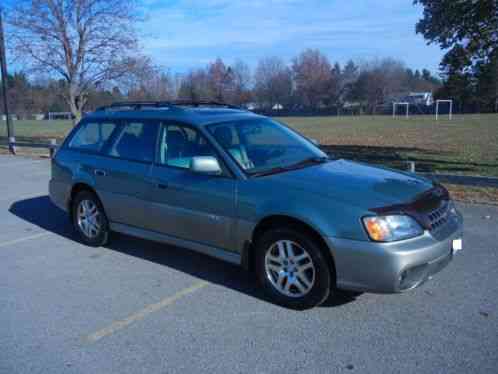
{"x":162,"y":186}
{"x":100,"y":173}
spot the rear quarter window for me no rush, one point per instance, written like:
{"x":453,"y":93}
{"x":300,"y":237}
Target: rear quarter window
{"x":136,"y":142}
{"x":92,"y":136}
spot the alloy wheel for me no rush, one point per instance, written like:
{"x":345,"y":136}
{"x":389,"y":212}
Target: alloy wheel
{"x":89,"y":219}
{"x":289,"y":268}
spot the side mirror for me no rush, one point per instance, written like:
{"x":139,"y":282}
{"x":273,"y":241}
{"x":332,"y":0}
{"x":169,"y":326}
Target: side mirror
{"x":314,"y":141}
{"x":205,"y":165}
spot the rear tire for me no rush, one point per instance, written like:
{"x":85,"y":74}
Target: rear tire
{"x":89,"y":219}
{"x":292,"y":269}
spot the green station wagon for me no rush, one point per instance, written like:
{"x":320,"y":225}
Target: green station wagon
{"x":251,"y":191}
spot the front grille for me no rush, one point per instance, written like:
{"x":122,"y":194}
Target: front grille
{"x":432,"y":209}
{"x":439,"y":216}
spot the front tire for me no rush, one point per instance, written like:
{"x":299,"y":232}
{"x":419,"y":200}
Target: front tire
{"x":89,"y":219}
{"x":292,"y":269}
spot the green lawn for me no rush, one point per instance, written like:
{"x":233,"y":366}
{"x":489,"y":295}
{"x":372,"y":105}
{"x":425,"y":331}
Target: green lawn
{"x":38,"y":130}
{"x":466,"y":145}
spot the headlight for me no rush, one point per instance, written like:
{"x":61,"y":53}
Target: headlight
{"x":391,"y":228}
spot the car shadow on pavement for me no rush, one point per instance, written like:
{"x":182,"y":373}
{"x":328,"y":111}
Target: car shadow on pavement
{"x":41,"y":212}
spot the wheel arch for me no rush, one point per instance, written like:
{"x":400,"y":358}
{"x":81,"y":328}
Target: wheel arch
{"x":102,"y":235}
{"x":77,"y":188}
{"x":277,"y":221}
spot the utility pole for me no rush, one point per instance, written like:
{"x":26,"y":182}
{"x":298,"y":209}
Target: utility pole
{"x":3,"y":66}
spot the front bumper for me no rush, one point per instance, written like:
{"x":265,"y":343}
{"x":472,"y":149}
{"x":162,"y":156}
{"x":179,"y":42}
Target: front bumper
{"x":394,"y":267}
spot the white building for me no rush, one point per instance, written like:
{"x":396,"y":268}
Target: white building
{"x":13,"y":117}
{"x":421,"y":98}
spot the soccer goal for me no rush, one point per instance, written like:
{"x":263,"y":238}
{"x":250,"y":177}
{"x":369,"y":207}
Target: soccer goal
{"x":450,"y":107}
{"x":407,"y":105}
{"x":59,"y":115}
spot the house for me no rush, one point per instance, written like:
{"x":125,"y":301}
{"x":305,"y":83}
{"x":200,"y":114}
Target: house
{"x":420,"y":98}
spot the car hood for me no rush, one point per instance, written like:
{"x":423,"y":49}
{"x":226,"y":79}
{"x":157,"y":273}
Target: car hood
{"x":362,"y":185}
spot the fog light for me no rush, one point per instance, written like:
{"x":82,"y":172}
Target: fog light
{"x":402,"y":277}
{"x":412,"y":277}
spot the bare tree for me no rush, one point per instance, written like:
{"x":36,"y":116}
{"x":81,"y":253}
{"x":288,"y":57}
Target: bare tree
{"x":156,"y":86}
{"x":19,"y":95}
{"x":312,"y":75}
{"x":195,"y":86}
{"x":273,"y":82}
{"x":217,"y":81}
{"x":334,"y":95}
{"x":380,"y":81}
{"x":146,"y":81}
{"x":85,"y":42}
{"x":241,"y":83}
{"x":220,"y":80}
{"x":348,"y":78}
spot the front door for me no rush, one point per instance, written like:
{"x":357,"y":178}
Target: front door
{"x":188,"y":205}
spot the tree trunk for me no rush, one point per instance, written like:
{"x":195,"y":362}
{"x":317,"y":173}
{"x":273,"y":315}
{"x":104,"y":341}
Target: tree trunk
{"x":76,"y":103}
{"x":75,"y":111}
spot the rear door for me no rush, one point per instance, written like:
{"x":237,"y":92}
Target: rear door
{"x":84,"y":154}
{"x":185,"y":204}
{"x":122,"y":176}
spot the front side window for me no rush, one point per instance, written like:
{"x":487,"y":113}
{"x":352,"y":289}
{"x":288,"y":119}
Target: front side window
{"x":260,"y":145}
{"x":135,"y":142}
{"x":91,"y":136}
{"x":179,"y":144}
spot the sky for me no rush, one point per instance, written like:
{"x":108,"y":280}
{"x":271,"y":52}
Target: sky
{"x":185,"y":34}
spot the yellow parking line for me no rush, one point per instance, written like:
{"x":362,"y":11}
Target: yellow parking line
{"x":141,"y":314}
{"x":26,"y":238}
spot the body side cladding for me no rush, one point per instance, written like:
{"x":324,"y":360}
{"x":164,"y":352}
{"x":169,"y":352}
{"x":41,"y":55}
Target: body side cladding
{"x":231,"y":257}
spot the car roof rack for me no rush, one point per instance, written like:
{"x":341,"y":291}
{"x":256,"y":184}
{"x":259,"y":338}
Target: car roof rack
{"x":203,"y":103}
{"x":143,"y":105}
{"x":135,"y":105}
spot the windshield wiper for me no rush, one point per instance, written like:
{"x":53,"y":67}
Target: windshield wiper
{"x":268,"y":172}
{"x":298,"y":165}
{"x":307,"y":162}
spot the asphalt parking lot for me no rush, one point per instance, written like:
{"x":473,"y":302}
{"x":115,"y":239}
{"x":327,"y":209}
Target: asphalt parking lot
{"x":141,"y":307}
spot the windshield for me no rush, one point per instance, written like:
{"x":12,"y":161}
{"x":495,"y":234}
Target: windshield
{"x":262,"y":145}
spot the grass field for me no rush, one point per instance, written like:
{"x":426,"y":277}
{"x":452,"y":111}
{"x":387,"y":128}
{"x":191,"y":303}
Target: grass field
{"x":38,"y":130}
{"x":466,"y":145}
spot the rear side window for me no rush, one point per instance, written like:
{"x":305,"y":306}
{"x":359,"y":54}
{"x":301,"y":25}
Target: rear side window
{"x":91,"y":136}
{"x":136,"y":142}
